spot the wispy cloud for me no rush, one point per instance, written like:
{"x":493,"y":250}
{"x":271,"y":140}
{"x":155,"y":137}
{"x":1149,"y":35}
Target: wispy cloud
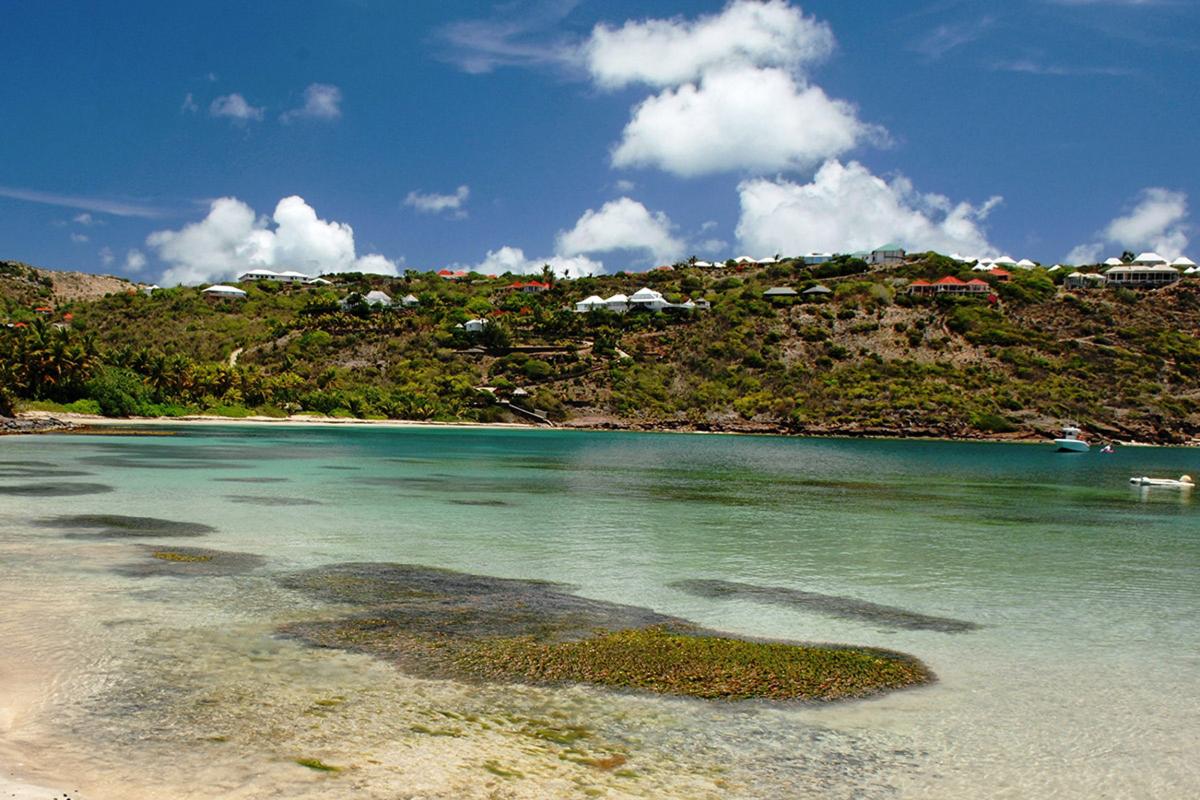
{"x":950,"y":36}
{"x":117,"y":208}
{"x":1031,"y":67}
{"x":322,"y":101}
{"x":235,"y":107}
{"x":518,"y":34}
{"x":437,"y":203}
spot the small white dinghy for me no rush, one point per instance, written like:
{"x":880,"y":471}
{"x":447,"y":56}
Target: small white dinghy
{"x":1184,"y":482}
{"x":1070,"y":441}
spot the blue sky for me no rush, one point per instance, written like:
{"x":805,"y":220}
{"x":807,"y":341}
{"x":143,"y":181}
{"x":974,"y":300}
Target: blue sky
{"x":367,"y":134}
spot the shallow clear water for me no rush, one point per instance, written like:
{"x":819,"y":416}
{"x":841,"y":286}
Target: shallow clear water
{"x":1081,"y":680}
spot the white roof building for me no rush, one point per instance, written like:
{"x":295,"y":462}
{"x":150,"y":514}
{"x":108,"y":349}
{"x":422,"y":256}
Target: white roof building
{"x":221,"y":290}
{"x":1183,"y":262}
{"x":705,"y":264}
{"x":780,"y":291}
{"x":475,"y":325}
{"x":1113,"y":262}
{"x":377,"y":298}
{"x":291,"y":276}
{"x":1150,"y":259}
{"x":1141,"y":275}
{"x":618,"y":303}
{"x":1005,"y":261}
{"x":409,"y":300}
{"x":1025,"y":263}
{"x":648,"y":299}
{"x":258,"y":275}
{"x":318,"y":282}
{"x":1055,"y":268}
{"x":593,"y":303}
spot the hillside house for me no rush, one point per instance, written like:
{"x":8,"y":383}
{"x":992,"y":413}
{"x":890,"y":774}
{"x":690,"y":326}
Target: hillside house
{"x":886,"y":255}
{"x":1135,"y":276}
{"x":1084,"y":280}
{"x":221,"y":291}
{"x":647,"y":299}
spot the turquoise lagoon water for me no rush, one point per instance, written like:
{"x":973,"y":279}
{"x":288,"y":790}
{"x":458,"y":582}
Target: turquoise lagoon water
{"x":1081,"y":680}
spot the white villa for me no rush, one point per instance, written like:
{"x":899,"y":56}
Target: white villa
{"x":1150,"y":259}
{"x":1184,"y":263}
{"x":886,"y":254}
{"x":409,"y":300}
{"x":377,"y":298}
{"x":780,"y":291}
{"x":1085,"y":280}
{"x":1142,"y":276}
{"x":223,"y":291}
{"x":288,"y":276}
{"x":648,"y":299}
{"x":593,"y":303}
{"x":817,"y":258}
{"x":474,"y":325}
{"x":1025,"y":263}
{"x":1113,"y":262}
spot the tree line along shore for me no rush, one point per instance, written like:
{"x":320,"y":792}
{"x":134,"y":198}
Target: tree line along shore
{"x":866,"y":357}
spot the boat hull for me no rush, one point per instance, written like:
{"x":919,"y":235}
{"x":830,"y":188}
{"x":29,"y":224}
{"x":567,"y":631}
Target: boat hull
{"x":1071,"y":446}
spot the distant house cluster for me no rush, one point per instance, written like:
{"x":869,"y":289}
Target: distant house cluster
{"x":644,"y":299}
{"x":1147,"y":271}
{"x":378,"y":299}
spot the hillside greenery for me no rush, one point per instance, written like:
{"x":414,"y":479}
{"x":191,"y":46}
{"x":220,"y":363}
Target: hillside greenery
{"x":870,"y":358}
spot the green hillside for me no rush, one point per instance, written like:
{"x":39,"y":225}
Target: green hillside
{"x":869,"y":358}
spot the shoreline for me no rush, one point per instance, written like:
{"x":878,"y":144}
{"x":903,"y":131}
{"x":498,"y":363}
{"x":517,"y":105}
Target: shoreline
{"x":79,"y":423}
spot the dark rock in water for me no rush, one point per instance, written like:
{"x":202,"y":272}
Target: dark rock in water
{"x":187,"y":562}
{"x":487,"y":503}
{"x":40,"y":425}
{"x":339,"y":467}
{"x":436,"y":601}
{"x":8,"y":471}
{"x":443,"y":624}
{"x":251,"y":479}
{"x":55,"y":489}
{"x":117,"y":526}
{"x":267,"y":500}
{"x":832,"y":605}
{"x":142,"y":462}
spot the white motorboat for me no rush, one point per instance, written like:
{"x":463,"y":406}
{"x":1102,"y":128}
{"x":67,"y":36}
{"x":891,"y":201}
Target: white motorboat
{"x":1184,"y":482}
{"x":1070,"y":441}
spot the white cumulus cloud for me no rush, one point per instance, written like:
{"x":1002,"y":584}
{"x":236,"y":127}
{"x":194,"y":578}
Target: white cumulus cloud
{"x":739,"y":118}
{"x":433,"y":203}
{"x":512,"y":259}
{"x":670,"y":52}
{"x":846,"y":208}
{"x":135,"y":261}
{"x":733,"y":93}
{"x":622,"y":224}
{"x":1157,"y":221}
{"x":235,"y":107}
{"x":232,"y":238}
{"x":322,"y":101}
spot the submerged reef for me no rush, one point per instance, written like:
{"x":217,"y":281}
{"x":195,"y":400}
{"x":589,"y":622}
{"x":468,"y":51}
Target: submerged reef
{"x":829,"y":604}
{"x":438,"y":623}
{"x":119,"y":526}
{"x":188,"y":562}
